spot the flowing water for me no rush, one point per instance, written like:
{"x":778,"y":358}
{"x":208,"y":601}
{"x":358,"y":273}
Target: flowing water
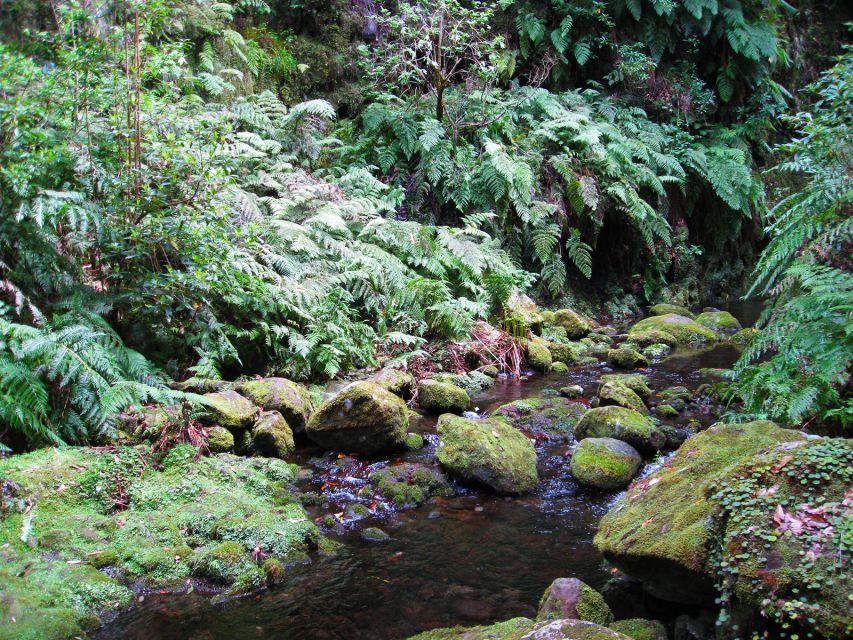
{"x":471,"y":559}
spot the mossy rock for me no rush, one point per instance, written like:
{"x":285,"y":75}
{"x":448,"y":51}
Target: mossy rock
{"x":622,"y":424}
{"x":400,"y":383}
{"x":682,"y":328}
{"x":489,"y":452}
{"x":290,"y":399}
{"x":572,"y":391}
{"x":559,"y":368}
{"x":661,"y":531}
{"x":440,"y":397}
{"x":605,"y":463}
{"x":272,"y":436}
{"x":636,"y":382}
{"x":546,"y":418}
{"x":652,"y":336}
{"x":616,"y":394}
{"x":656,"y":352}
{"x":375,"y":534}
{"x":569,"y":598}
{"x":667,"y":411}
{"x":363,"y":417}
{"x":229,"y":409}
{"x":743,"y":337}
{"x":525,"y":629}
{"x":626,"y":358}
{"x":414,"y":441}
{"x":677,"y":392}
{"x":719,"y":322}
{"x":576,"y":325}
{"x":522,"y":308}
{"x":491,"y":371}
{"x":220,"y":440}
{"x":567,"y":352}
{"x":472,"y":382}
{"x":640,"y":629}
{"x":539,"y":355}
{"x":664,"y":309}
{"x":410,"y":483}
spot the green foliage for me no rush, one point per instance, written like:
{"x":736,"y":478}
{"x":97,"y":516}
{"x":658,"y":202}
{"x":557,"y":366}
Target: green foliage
{"x":798,"y":365}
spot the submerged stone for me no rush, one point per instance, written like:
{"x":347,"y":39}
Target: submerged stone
{"x":622,"y":424}
{"x":441,"y":397}
{"x":605,"y":463}
{"x":410,"y":483}
{"x":489,"y":452}
{"x":363,"y":417}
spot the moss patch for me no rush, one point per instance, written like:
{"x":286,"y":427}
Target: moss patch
{"x":290,"y":399}
{"x":640,"y":629}
{"x":682,"y":328}
{"x":410,"y":484}
{"x":623,"y":424}
{"x":605,"y":463}
{"x":550,"y":418}
{"x":664,"y":309}
{"x":440,"y":397}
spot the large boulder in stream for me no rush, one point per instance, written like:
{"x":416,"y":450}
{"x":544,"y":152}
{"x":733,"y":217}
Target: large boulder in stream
{"x":626,"y":358}
{"x":685,"y":330}
{"x":605,"y":463}
{"x":620,"y":395}
{"x":526,"y":629}
{"x":363,"y":417}
{"x":662,"y":530}
{"x":400,"y":383}
{"x":622,"y":424}
{"x":230,"y":410}
{"x":442,"y":397}
{"x":665,"y":308}
{"x":720,"y":322}
{"x":576,"y":325}
{"x":272,"y":436}
{"x":570,"y":598}
{"x":290,"y":399}
{"x":489,"y":452}
{"x":549,"y":418}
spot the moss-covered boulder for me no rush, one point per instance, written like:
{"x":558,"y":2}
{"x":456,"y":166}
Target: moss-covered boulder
{"x":521,"y":308}
{"x":290,"y":399}
{"x":656,"y":352}
{"x":652,"y":336}
{"x":414,"y":441}
{"x":472,"y":381}
{"x":636,"y":382}
{"x":400,"y":383}
{"x":410,"y":483}
{"x":230,"y":410}
{"x":225,"y":563}
{"x":626,"y":358}
{"x":539,"y":355}
{"x":719,"y":322}
{"x":525,"y":629}
{"x":575,"y":325}
{"x":441,"y":397}
{"x":567,"y":352}
{"x":490,"y":452}
{"x":622,"y":424}
{"x":664,"y":309}
{"x":743,"y":337}
{"x":615,"y":394}
{"x":559,"y":367}
{"x":640,"y":629}
{"x":662,"y":530}
{"x":569,"y":598}
{"x":220,"y":440}
{"x":363,"y":417}
{"x":605,"y":463}
{"x":272,"y":436}
{"x":682,"y":328}
{"x":545,"y":418}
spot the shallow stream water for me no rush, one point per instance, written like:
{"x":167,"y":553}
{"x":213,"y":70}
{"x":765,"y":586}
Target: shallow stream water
{"x":471,"y":559}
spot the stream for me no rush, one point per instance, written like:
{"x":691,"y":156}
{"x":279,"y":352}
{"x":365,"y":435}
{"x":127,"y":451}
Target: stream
{"x":471,"y":559}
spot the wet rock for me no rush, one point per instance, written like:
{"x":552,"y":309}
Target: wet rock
{"x":440,"y":397}
{"x":719,"y":322}
{"x":675,"y":436}
{"x":400,"y":383}
{"x":640,"y":629}
{"x":656,"y":352}
{"x":414,"y":441}
{"x":661,"y":531}
{"x":290,"y":399}
{"x":229,"y":409}
{"x":551,"y":418}
{"x":490,"y":452}
{"x":472,"y":381}
{"x":636,"y":382}
{"x":565,"y":352}
{"x":525,"y":629}
{"x":363,"y":417}
{"x":622,"y":424}
{"x":699,"y":627}
{"x":743,"y":337}
{"x":653,"y":336}
{"x":570,"y":598}
{"x":675,"y":393}
{"x":664,"y":309}
{"x":575,"y":324}
{"x":538,"y":354}
{"x":559,"y":367}
{"x":683,"y":329}
{"x":491,"y":371}
{"x":521,"y":307}
{"x":572,"y":391}
{"x":667,"y":411}
{"x":616,"y":394}
{"x":410,"y":484}
{"x":375,"y":534}
{"x":220,"y":440}
{"x":626,"y":358}
{"x":605,"y":463}
{"x":272,"y":436}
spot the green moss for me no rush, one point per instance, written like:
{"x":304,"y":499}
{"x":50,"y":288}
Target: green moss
{"x":653,"y":336}
{"x":290,"y":399}
{"x":575,"y":324}
{"x":362,"y":417}
{"x":491,"y":371}
{"x":559,"y":367}
{"x":719,"y":321}
{"x":553,"y":418}
{"x":472,"y":382}
{"x":375,"y":534}
{"x":508,"y":630}
{"x":271,"y":435}
{"x":567,"y":352}
{"x":569,"y":598}
{"x":400,"y":383}
{"x":683,"y":329}
{"x":660,"y":531}
{"x":622,"y":424}
{"x":410,"y":483}
{"x":636,"y":382}
{"x":414,"y":441}
{"x":220,"y":440}
{"x":615,"y":393}
{"x":539,"y":355}
{"x":667,"y":411}
{"x":229,"y":409}
{"x":490,"y":452}
{"x":640,"y":629}
{"x":656,"y":352}
{"x":664,"y":309}
{"x":743,"y":337}
{"x":605,"y":463}
{"x":626,"y":358}
{"x":439,"y":397}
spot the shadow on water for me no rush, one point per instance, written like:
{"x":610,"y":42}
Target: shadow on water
{"x":467,"y":560}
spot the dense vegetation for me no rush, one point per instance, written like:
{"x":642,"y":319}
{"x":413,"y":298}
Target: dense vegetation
{"x":203,"y":189}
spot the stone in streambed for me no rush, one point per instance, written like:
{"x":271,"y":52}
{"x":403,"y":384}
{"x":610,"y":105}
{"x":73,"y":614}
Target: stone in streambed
{"x":525,"y":629}
{"x":653,"y":336}
{"x":441,"y":397}
{"x":539,"y":355}
{"x":615,"y":394}
{"x":375,"y":534}
{"x":743,"y":337}
{"x":640,"y":629}
{"x":272,"y":436}
{"x":575,"y":324}
{"x":622,"y":424}
{"x":489,"y":452}
{"x":656,"y":352}
{"x":605,"y":463}
{"x":685,"y":330}
{"x":410,"y":483}
{"x":290,"y":399}
{"x":363,"y":417}
{"x":549,"y":418}
{"x":229,"y":409}
{"x":636,"y":382}
{"x":626,"y":358}
{"x":569,"y":598}
{"x":400,"y":383}
{"x":720,"y":322}
{"x":664,"y":309}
